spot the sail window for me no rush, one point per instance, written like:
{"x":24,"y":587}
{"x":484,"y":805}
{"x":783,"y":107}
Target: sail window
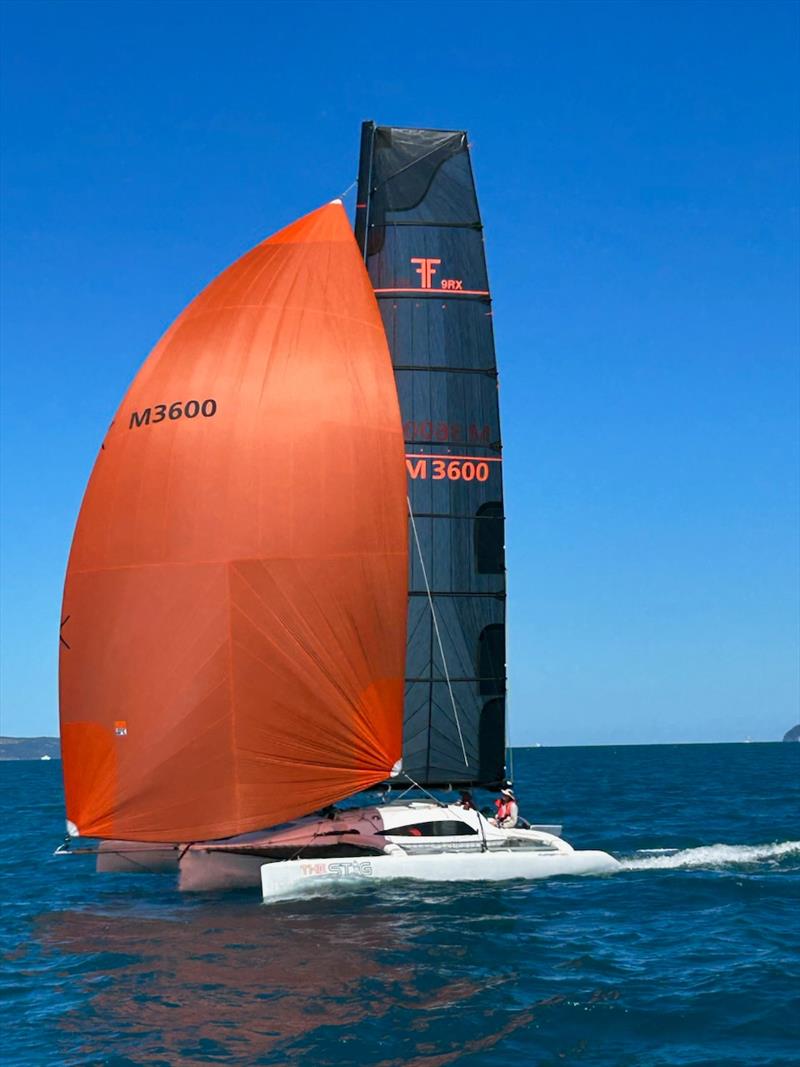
{"x":489,"y":547}
{"x":492,"y":660}
{"x":438,"y":828}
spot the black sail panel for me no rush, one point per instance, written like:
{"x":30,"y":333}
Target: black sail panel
{"x":418,"y":224}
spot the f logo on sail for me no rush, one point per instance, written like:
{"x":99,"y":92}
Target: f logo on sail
{"x":426,"y":268}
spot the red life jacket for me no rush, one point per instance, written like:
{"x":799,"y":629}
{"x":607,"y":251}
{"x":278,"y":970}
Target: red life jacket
{"x":503,"y":808}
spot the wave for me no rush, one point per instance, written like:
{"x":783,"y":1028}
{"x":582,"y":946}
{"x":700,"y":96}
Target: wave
{"x":712,"y":856}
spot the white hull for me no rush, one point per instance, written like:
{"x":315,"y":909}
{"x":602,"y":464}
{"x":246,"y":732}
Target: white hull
{"x":297,"y":876}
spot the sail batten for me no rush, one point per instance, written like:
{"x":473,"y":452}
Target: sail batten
{"x":420,"y":231}
{"x":236,"y":590}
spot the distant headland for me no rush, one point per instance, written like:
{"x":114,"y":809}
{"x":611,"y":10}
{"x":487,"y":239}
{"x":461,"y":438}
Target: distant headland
{"x":47,"y":748}
{"x":30,"y":748}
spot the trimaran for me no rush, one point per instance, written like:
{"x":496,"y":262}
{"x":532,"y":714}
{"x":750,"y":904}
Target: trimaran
{"x":287,"y":580}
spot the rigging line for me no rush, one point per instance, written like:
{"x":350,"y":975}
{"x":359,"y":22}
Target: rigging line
{"x":307,"y":844}
{"x":436,"y":629}
{"x":507,"y":716}
{"x":422,"y":789}
{"x":509,"y":749}
{"x":450,"y":807}
{"x":347,"y":190}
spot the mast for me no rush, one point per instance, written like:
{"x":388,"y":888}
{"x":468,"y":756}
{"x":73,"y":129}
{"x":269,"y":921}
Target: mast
{"x":419,"y":228}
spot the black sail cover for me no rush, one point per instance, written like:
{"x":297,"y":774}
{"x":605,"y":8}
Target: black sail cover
{"x":418,"y":224}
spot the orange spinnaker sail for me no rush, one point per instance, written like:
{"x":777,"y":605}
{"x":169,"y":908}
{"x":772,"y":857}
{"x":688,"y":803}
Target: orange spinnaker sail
{"x":235,"y":605}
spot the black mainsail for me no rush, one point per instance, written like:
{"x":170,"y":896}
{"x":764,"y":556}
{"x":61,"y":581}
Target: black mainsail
{"x":418,"y":224}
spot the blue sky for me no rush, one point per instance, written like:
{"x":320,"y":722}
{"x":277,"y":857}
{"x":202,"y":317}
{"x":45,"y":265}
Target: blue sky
{"x":637,"y":166}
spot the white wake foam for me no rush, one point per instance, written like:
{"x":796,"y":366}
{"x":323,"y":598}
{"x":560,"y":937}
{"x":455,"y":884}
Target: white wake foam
{"x":713,"y":856}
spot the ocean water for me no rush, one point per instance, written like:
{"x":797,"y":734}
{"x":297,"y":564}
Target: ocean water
{"x":688,"y":955}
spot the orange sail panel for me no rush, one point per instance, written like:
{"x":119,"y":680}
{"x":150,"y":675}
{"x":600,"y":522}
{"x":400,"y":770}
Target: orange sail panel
{"x":234,"y":612}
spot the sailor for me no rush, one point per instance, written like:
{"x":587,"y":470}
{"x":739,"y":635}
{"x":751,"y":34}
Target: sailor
{"x":507,"y":809}
{"x":466,"y":801}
